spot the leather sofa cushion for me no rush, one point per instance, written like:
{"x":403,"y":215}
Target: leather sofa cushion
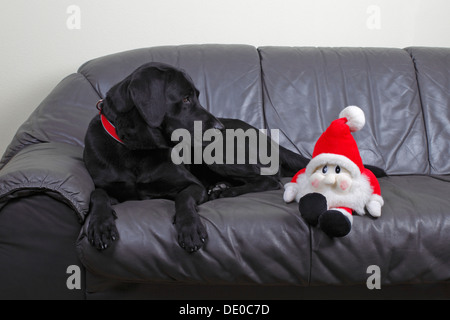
{"x":306,"y":88}
{"x":228,"y":76}
{"x":253,"y":239}
{"x":409,"y":242}
{"x":258,"y":239}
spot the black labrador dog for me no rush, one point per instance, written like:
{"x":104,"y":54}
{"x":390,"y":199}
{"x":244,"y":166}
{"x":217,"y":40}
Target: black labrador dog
{"x":129,"y":154}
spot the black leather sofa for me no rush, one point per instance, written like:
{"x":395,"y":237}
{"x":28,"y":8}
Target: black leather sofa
{"x":259,"y":246}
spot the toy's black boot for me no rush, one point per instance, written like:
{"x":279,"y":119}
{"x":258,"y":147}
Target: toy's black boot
{"x":312,"y":206}
{"x":334,"y":223}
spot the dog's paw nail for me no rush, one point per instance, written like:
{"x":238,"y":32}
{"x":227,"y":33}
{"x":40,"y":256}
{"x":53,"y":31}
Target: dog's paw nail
{"x":203,"y":240}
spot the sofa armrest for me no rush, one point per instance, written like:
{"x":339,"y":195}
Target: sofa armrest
{"x":56,"y":169}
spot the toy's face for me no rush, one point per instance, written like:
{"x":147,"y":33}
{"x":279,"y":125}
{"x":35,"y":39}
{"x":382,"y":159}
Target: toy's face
{"x":331,"y":177}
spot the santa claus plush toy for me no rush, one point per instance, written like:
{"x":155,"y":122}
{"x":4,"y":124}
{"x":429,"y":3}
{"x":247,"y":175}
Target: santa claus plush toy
{"x":335,"y":182}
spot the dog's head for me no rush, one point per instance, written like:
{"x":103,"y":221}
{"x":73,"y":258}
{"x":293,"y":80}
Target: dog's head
{"x":152,"y":102}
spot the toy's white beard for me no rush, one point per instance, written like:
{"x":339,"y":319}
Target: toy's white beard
{"x":356,"y":197}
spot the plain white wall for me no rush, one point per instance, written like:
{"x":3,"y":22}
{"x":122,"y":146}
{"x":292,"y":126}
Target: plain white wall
{"x":42,"y":41}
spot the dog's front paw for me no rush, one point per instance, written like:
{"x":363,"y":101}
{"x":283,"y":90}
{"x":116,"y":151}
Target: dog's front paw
{"x":191,"y":234}
{"x":215,"y":191}
{"x":102,"y":231}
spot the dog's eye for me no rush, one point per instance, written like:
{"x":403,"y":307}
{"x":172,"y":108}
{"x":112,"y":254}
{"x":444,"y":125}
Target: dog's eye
{"x":186,"y":99}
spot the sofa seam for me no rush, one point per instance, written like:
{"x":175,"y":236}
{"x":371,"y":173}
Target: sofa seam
{"x":413,"y":60}
{"x":90,"y":83}
{"x":261,"y":95}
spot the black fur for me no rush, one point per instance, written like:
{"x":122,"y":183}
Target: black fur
{"x":145,"y":108}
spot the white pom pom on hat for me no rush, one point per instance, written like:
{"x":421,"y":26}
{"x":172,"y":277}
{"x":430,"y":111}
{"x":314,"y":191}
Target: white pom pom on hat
{"x":355,"y":117}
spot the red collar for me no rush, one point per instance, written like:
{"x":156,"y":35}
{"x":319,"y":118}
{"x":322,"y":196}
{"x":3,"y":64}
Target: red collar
{"x":108,"y":126}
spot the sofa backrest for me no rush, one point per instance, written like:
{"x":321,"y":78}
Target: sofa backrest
{"x":306,"y":88}
{"x":433,"y":77}
{"x":299,"y":90}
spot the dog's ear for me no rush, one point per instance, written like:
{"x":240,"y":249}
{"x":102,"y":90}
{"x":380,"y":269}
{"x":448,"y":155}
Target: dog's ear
{"x":117,"y":100}
{"x":147,"y":90}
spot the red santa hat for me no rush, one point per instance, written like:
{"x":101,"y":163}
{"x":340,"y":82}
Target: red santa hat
{"x":337,"y":145}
